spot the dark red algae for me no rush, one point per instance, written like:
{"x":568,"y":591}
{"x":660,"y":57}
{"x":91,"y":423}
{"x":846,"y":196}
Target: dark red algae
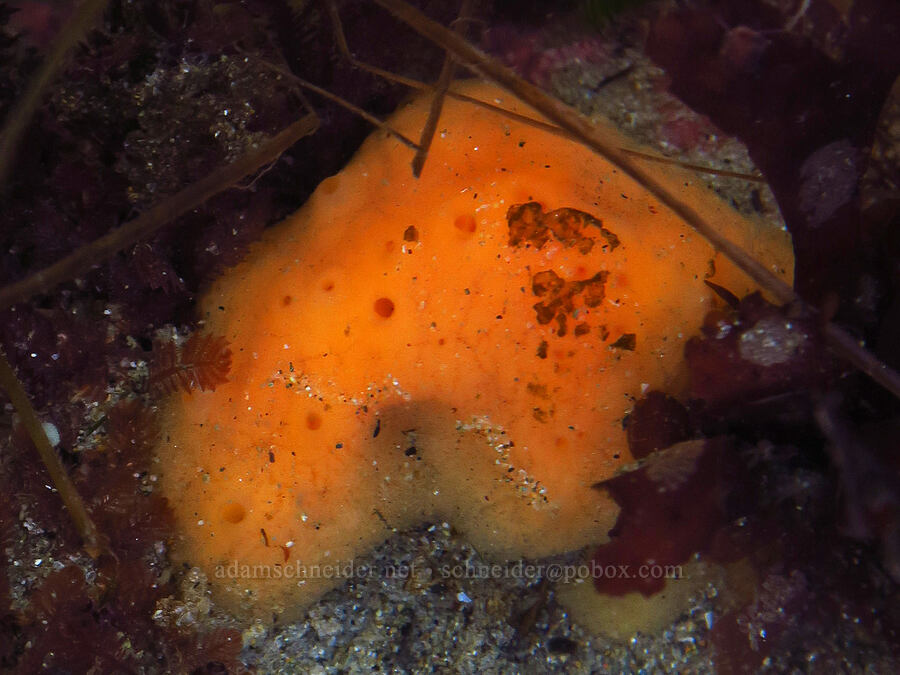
{"x":787,"y":471}
{"x":142,"y":110}
{"x":157,"y":96}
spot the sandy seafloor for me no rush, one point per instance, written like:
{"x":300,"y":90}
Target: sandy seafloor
{"x":422,"y":623}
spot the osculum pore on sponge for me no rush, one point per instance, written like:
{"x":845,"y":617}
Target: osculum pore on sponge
{"x":461,"y":347}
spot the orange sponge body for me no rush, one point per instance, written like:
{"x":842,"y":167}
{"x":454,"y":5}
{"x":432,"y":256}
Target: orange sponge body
{"x":462,"y":347}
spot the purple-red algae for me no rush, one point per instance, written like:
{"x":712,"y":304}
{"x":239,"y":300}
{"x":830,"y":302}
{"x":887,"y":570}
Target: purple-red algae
{"x":765,"y":350}
{"x":672,"y":506}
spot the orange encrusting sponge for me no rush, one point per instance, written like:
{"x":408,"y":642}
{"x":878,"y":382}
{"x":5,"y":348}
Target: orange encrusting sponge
{"x":461,"y":347}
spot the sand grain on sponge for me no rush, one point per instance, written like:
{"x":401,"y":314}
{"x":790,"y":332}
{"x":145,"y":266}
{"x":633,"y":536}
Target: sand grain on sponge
{"x":461,"y":347}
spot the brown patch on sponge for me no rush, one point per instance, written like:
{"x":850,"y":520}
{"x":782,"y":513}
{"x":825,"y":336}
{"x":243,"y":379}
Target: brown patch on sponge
{"x":528,"y":224}
{"x":560,"y":296}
